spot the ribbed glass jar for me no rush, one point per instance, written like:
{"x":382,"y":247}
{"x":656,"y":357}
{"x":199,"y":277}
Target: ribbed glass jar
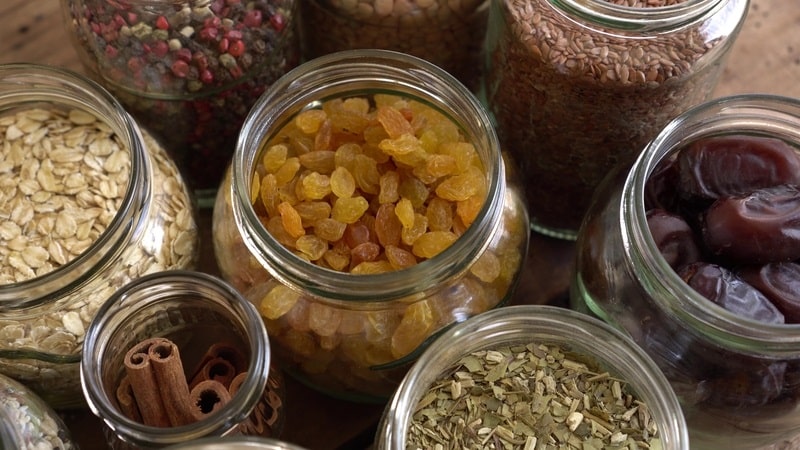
{"x":583,"y":338}
{"x":735,"y":377}
{"x":197,"y":312}
{"x":579,"y":86}
{"x":188,"y":70}
{"x":353,"y":335}
{"x":88,"y":203}
{"x":27,"y":422}
{"x":235,"y":443}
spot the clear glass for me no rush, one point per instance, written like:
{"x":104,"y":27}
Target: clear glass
{"x":578,"y":86}
{"x":622,"y":278}
{"x":188,"y":70}
{"x":525,"y":324}
{"x":194,"y":310}
{"x":359,"y":360}
{"x":27,"y":422}
{"x":236,"y":443}
{"x":445,"y":33}
{"x":83,"y":214}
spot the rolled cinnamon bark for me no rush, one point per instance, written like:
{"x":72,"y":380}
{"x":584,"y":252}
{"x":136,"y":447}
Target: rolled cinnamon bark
{"x":166,"y":361}
{"x":144,"y":384}
{"x":208,"y":397}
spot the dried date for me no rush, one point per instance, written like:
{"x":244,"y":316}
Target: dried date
{"x":673,"y":237}
{"x":726,"y":289}
{"x":780,"y":283}
{"x":735,"y":165}
{"x":761,"y":227}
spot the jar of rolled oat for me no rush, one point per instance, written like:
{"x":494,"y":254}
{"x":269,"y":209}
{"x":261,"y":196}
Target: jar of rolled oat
{"x":187,"y":70}
{"x":205,"y":352}
{"x":449,"y":34}
{"x":27,"y":422}
{"x":87,"y":203}
{"x":368,"y":207}
{"x":579,"y":86}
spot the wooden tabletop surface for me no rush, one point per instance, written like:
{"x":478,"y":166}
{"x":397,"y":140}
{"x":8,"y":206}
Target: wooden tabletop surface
{"x":765,"y":59}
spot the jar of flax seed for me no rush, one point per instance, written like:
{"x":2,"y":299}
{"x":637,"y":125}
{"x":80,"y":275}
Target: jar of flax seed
{"x":187,"y":70}
{"x":579,"y":86}
{"x":88,"y":202}
{"x":449,"y":34}
{"x":367,"y":208}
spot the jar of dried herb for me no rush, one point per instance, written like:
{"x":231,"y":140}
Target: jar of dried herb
{"x":446,"y":33}
{"x":368,"y":206}
{"x":579,"y":86}
{"x":188,"y":70}
{"x":647,"y":263}
{"x":533,"y":376}
{"x":176,"y":356}
{"x":88,"y":203}
{"x":27,"y":422}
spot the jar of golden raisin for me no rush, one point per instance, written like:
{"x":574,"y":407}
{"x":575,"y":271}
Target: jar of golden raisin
{"x":367,"y":208}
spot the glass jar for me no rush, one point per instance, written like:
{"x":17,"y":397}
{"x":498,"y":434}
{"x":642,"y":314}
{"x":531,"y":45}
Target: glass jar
{"x":447,"y":34}
{"x":735,"y":377}
{"x":579,"y":86}
{"x":27,"y":422}
{"x":585,"y":340}
{"x":236,"y":443}
{"x":199,"y":313}
{"x":352,"y":335}
{"x":188,"y":70}
{"x":88,"y":203}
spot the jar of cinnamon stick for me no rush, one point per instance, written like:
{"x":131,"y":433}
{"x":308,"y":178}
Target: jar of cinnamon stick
{"x":177,"y":356}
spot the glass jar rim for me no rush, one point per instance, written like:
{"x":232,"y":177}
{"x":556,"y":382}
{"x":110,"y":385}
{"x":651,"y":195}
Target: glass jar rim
{"x":43,"y":83}
{"x":348,"y":72}
{"x":743,"y":113}
{"x":651,"y":19}
{"x":548,"y":324}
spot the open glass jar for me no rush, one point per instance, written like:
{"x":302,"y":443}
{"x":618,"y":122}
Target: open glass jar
{"x":188,"y":70}
{"x":207,"y":320}
{"x":88,"y":203}
{"x":27,"y":422}
{"x":339,"y":319}
{"x":736,"y":377}
{"x":521,"y":363}
{"x":578,"y":86}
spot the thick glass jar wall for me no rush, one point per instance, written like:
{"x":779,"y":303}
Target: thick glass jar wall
{"x":354,"y":335}
{"x":735,"y":377}
{"x":577,"y":87}
{"x":93,"y":204}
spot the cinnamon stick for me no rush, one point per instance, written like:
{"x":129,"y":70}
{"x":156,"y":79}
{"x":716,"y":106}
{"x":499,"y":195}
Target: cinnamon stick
{"x":144,"y":384}
{"x":126,"y":401}
{"x":166,"y":362}
{"x":237,"y":381}
{"x":218,"y":369}
{"x":208,"y":397}
{"x":225,"y":351}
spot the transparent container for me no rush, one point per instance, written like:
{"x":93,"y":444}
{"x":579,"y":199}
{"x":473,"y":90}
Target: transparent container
{"x":88,"y":203}
{"x":236,"y":443}
{"x":735,"y":377}
{"x":577,"y":87}
{"x":188,"y":70}
{"x":581,"y":337}
{"x":27,"y":422}
{"x":447,"y":34}
{"x":197,"y":312}
{"x":352,"y":335}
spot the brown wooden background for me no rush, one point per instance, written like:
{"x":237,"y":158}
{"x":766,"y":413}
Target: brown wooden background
{"x":765,"y":59}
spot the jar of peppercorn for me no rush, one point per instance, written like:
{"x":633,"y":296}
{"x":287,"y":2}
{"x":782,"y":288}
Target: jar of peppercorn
{"x":578,"y":86}
{"x":88,"y":202}
{"x":188,"y":70}
{"x":367,"y":208}
{"x":693,"y":252}
{"x":177,"y":356}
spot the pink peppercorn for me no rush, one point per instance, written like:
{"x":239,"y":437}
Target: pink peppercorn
{"x":234,"y":35}
{"x":180,"y":68}
{"x":162,"y":23}
{"x":236,"y":49}
{"x":206,"y":76}
{"x":223,"y":45}
{"x":278,"y":22}
{"x":209,"y":33}
{"x":253,"y":18}
{"x":160,"y":48}
{"x":184,"y":54}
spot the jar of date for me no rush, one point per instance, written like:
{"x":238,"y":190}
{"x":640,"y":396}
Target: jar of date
{"x":188,"y":70}
{"x":446,"y":33}
{"x":578,"y":86}
{"x":693,"y":252}
{"x":178,"y":356}
{"x":88,"y":202}
{"x":367,"y":208}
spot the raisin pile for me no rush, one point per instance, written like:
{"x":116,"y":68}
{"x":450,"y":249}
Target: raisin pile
{"x":725,"y":214}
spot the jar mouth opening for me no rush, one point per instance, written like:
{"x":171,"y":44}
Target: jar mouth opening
{"x":35,"y":84}
{"x":147,"y":294}
{"x":355,"y":72}
{"x":648,"y":19}
{"x":755,"y":114}
{"x":541,"y":324}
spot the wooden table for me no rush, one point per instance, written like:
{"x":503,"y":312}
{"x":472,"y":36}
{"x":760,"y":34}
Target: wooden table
{"x":765,"y":59}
